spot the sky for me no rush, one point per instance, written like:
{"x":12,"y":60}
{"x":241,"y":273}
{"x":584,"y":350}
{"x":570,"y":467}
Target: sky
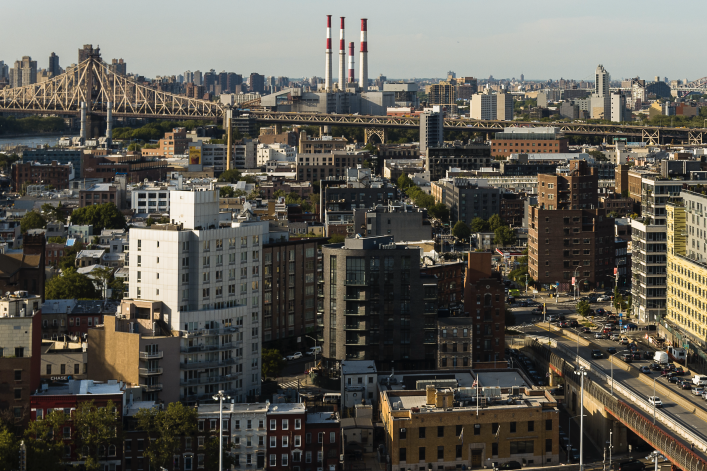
{"x":406,"y":38}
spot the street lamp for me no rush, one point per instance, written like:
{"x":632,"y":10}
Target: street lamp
{"x":220,"y":397}
{"x":655,"y":456}
{"x":611,"y":445}
{"x":582,"y":373}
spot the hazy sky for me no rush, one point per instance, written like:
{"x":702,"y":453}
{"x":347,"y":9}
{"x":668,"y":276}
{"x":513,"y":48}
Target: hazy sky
{"x":411,"y":38}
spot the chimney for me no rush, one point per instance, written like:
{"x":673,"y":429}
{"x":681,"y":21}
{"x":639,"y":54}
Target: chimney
{"x":352,"y":76}
{"x":327,"y":73}
{"x":83,"y":121}
{"x":342,"y":58}
{"x":363,"y":72}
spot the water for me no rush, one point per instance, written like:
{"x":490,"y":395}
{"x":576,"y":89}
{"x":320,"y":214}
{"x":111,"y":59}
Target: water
{"x":29,"y":141}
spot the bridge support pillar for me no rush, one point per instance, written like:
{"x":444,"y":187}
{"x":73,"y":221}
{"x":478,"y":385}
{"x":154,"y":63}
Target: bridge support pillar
{"x":278,"y":128}
{"x":381,"y":133}
{"x":650,"y":136}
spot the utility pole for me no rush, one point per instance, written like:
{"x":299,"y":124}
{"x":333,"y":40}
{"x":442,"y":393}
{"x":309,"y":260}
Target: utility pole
{"x":582,"y":373}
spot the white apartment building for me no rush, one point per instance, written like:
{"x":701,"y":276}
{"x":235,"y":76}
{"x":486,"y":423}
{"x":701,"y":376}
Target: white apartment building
{"x":491,"y":106}
{"x":149,"y":200}
{"x":275,"y":152}
{"x":207,"y":278}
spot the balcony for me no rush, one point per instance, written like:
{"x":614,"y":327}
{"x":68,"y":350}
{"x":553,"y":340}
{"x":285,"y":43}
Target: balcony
{"x":355,"y":326}
{"x":151,"y":356}
{"x":207,"y":364}
{"x":361,"y":341}
{"x":360,"y":281}
{"x":360,"y":296}
{"x":355,"y":312}
{"x":151,"y":387}
{"x":149,"y":371}
{"x":208,"y":348}
{"x":207,"y":332}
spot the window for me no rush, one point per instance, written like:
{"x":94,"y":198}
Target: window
{"x":440,"y":431}
{"x":548,"y":445}
{"x":531,"y":426}
{"x":273,"y":460}
{"x":403,"y":454}
{"x":273,"y":442}
{"x":421,"y":453}
{"x":298,"y":424}
{"x":459,"y":451}
{"x":403,"y":433}
{"x":332,"y":437}
{"x":494,"y":448}
{"x":284,"y":459}
{"x":285,"y":441}
{"x":522,"y":447}
{"x":477,"y":429}
{"x":513,"y":427}
{"x":18,"y":375}
{"x":440,"y":452}
{"x":548,"y":424}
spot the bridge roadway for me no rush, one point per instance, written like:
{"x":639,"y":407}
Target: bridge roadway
{"x":627,"y":376}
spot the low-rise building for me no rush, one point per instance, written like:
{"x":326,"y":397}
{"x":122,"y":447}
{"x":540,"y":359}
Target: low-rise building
{"x":173,"y":143}
{"x":402,"y":221}
{"x":454,"y":343}
{"x":286,"y":436}
{"x":34,"y":173}
{"x":358,"y":383}
{"x":63,"y":360}
{"x":528,"y":140}
{"x":321,"y":145}
{"x":465,"y":157}
{"x":24,"y":270}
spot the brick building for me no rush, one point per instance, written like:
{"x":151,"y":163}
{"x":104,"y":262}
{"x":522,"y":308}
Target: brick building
{"x":102,"y":193}
{"x":484,"y":302}
{"x":322,"y":443}
{"x":53,"y":253}
{"x":286,"y":428}
{"x":528,"y":140}
{"x":24,"y":270}
{"x":567,"y":216}
{"x":173,"y":143}
{"x":318,"y":166}
{"x":615,"y":203}
{"x":20,"y":353}
{"x":289,"y":137}
{"x":31,"y":173}
{"x":268,"y":189}
{"x":465,"y":157}
{"x":454,"y":343}
{"x":290,"y":271}
{"x":450,"y":282}
{"x":512,"y":209}
{"x":321,"y":145}
{"x":134,"y":166}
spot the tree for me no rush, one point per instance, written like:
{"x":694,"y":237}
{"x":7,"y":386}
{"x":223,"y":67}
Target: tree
{"x":101,"y":216}
{"x":32,"y":220}
{"x":479,"y":225}
{"x":254,"y":194}
{"x":165,"y":428}
{"x":103,"y":275}
{"x":583,"y":308}
{"x":404,"y":182}
{"x":94,"y":432}
{"x":134,"y":147}
{"x":336,"y":239}
{"x":71,"y":285}
{"x":149,"y":221}
{"x":230,"y":176}
{"x":625,"y":193}
{"x":278,"y":193}
{"x":44,"y":449}
{"x":69,"y":258}
{"x":56,"y":240}
{"x":504,"y":236}
{"x":597,"y":154}
{"x":461,"y":231}
{"x":272,"y":363}
{"x":211,"y":451}
{"x":495,"y":222}
{"x":9,"y":450}
{"x":439,"y":211}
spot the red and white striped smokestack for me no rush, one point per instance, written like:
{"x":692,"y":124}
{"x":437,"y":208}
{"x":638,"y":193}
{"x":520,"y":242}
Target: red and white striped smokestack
{"x":363,"y":71}
{"x":327,"y":73}
{"x":342,"y":58}
{"x":352,"y":76}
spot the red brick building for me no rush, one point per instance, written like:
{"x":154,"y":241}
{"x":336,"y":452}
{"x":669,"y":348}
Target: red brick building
{"x":286,"y":436}
{"x":24,"y":271}
{"x":485,"y":303}
{"x":322,"y":442}
{"x":173,"y":143}
{"x":536,"y":141}
{"x":53,"y":253}
{"x":135,"y":167}
{"x":68,"y":397}
{"x":31,"y":173}
{"x":512,"y":209}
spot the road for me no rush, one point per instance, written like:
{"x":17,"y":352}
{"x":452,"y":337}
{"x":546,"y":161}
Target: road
{"x":629,"y":379}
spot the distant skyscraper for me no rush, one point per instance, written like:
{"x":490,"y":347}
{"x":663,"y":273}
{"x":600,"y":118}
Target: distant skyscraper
{"x":4,"y":70}
{"x":601,"y":81}
{"x":601,"y":98}
{"x":118,"y":66}
{"x":86,"y":51}
{"x":210,"y":80}
{"x":188,"y":76}
{"x":257,"y":83}
{"x":522,"y":78}
{"x":198,"y":78}
{"x":54,"y":68}
{"x":431,"y":130}
{"x":25,"y":72}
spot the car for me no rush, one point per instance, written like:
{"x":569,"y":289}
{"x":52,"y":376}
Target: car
{"x":636,"y":356}
{"x":679,"y":371}
{"x":597,"y":354}
{"x":624,"y":341}
{"x":615,"y":337}
{"x":592,"y":299}
{"x":698,"y":391}
{"x":655,"y":401}
{"x":537,"y":310}
{"x":611,"y":350}
{"x":600,"y":335}
{"x":586,"y":330}
{"x":583,"y":298}
{"x":627,"y":357}
{"x":514,"y":352}
{"x":573,"y":455}
{"x":602,"y":299}
{"x":553,"y":318}
{"x":630,"y":326}
{"x":655,"y":367}
{"x":685,"y":385}
{"x":628,"y":465}
{"x":645,"y":369}
{"x":294,"y":356}
{"x":674,"y":379}
{"x":313,"y":351}
{"x":563,"y":324}
{"x":704,"y":394}
{"x":573,"y":323}
{"x":600,"y":312}
{"x":667,"y":372}
{"x":647,"y":355}
{"x":510,"y":465}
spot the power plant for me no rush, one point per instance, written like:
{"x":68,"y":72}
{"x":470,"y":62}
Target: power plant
{"x":346,"y":95}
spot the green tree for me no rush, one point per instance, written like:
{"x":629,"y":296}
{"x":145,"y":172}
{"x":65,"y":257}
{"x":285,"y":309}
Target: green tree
{"x":71,"y":285}
{"x":461,"y":231}
{"x":134,"y":147}
{"x":254,"y":194}
{"x":165,"y":429}
{"x":404,"y":182}
{"x":439,"y":211}
{"x":479,"y":225}
{"x":56,"y":240}
{"x":583,"y":308}
{"x":103,"y":275}
{"x":625,"y":193}
{"x":44,"y":449}
{"x":211,"y":451}
{"x":94,"y":431}
{"x":230,"y":176}
{"x":101,"y":216}
{"x":597,"y":154}
{"x":9,"y":450}
{"x":495,"y":222}
{"x":504,"y":236}
{"x":278,"y":193}
{"x":423,"y":200}
{"x":32,"y":220}
{"x":336,"y":239}
{"x":149,"y":221}
{"x":69,"y":258}
{"x":272,"y":363}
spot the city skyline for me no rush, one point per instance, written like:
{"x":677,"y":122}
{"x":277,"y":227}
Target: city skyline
{"x":436,"y":40}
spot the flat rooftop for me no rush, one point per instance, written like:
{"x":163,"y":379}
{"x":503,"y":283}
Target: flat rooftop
{"x":504,"y":379}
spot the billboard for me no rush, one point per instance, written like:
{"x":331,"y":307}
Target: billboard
{"x":195,"y":156}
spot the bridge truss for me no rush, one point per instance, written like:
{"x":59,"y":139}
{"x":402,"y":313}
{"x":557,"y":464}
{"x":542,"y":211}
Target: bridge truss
{"x":93,"y":82}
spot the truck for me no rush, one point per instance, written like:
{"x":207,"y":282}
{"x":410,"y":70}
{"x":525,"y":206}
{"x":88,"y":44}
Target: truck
{"x":699,"y":380}
{"x":660,"y":357}
{"x":677,"y":354}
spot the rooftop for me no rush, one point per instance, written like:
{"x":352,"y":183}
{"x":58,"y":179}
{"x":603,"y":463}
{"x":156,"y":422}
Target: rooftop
{"x":353,"y":367}
{"x":281,"y":408}
{"x":322,"y":418}
{"x":83,"y":387}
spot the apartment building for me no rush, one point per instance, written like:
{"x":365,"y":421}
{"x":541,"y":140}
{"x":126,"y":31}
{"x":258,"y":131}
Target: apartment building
{"x":528,"y":140}
{"x":321,"y":145}
{"x":52,"y":174}
{"x":286,"y":436}
{"x":491,"y":106}
{"x":431,"y":131}
{"x":195,"y":290}
{"x":150,"y":199}
{"x":319,"y":166}
{"x":377,"y":306}
{"x":465,"y":157}
{"x":175,"y":143}
{"x":469,"y":198}
{"x":455,"y":343}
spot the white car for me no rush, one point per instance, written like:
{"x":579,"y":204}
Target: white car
{"x":601,"y":299}
{"x":655,"y":400}
{"x":294,"y":356}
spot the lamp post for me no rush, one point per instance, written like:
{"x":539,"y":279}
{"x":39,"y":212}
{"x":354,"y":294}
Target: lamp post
{"x":582,"y":373}
{"x":611,"y":445}
{"x":220,"y":397}
{"x":574,"y":288}
{"x":655,"y":456}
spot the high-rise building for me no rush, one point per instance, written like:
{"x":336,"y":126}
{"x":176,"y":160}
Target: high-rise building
{"x":600,"y":106}
{"x":194,"y":307}
{"x":377,"y":306}
{"x":210,"y":80}
{"x":198,"y":78}
{"x":567,"y":218}
{"x":118,"y":66}
{"x":601,"y":81}
{"x":468,"y":199}
{"x":257,"y":83}
{"x":491,"y":106}
{"x":442,"y":94}
{"x":431,"y":130}
{"x":54,"y":68}
{"x":25,"y":72}
{"x":86,"y":51}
